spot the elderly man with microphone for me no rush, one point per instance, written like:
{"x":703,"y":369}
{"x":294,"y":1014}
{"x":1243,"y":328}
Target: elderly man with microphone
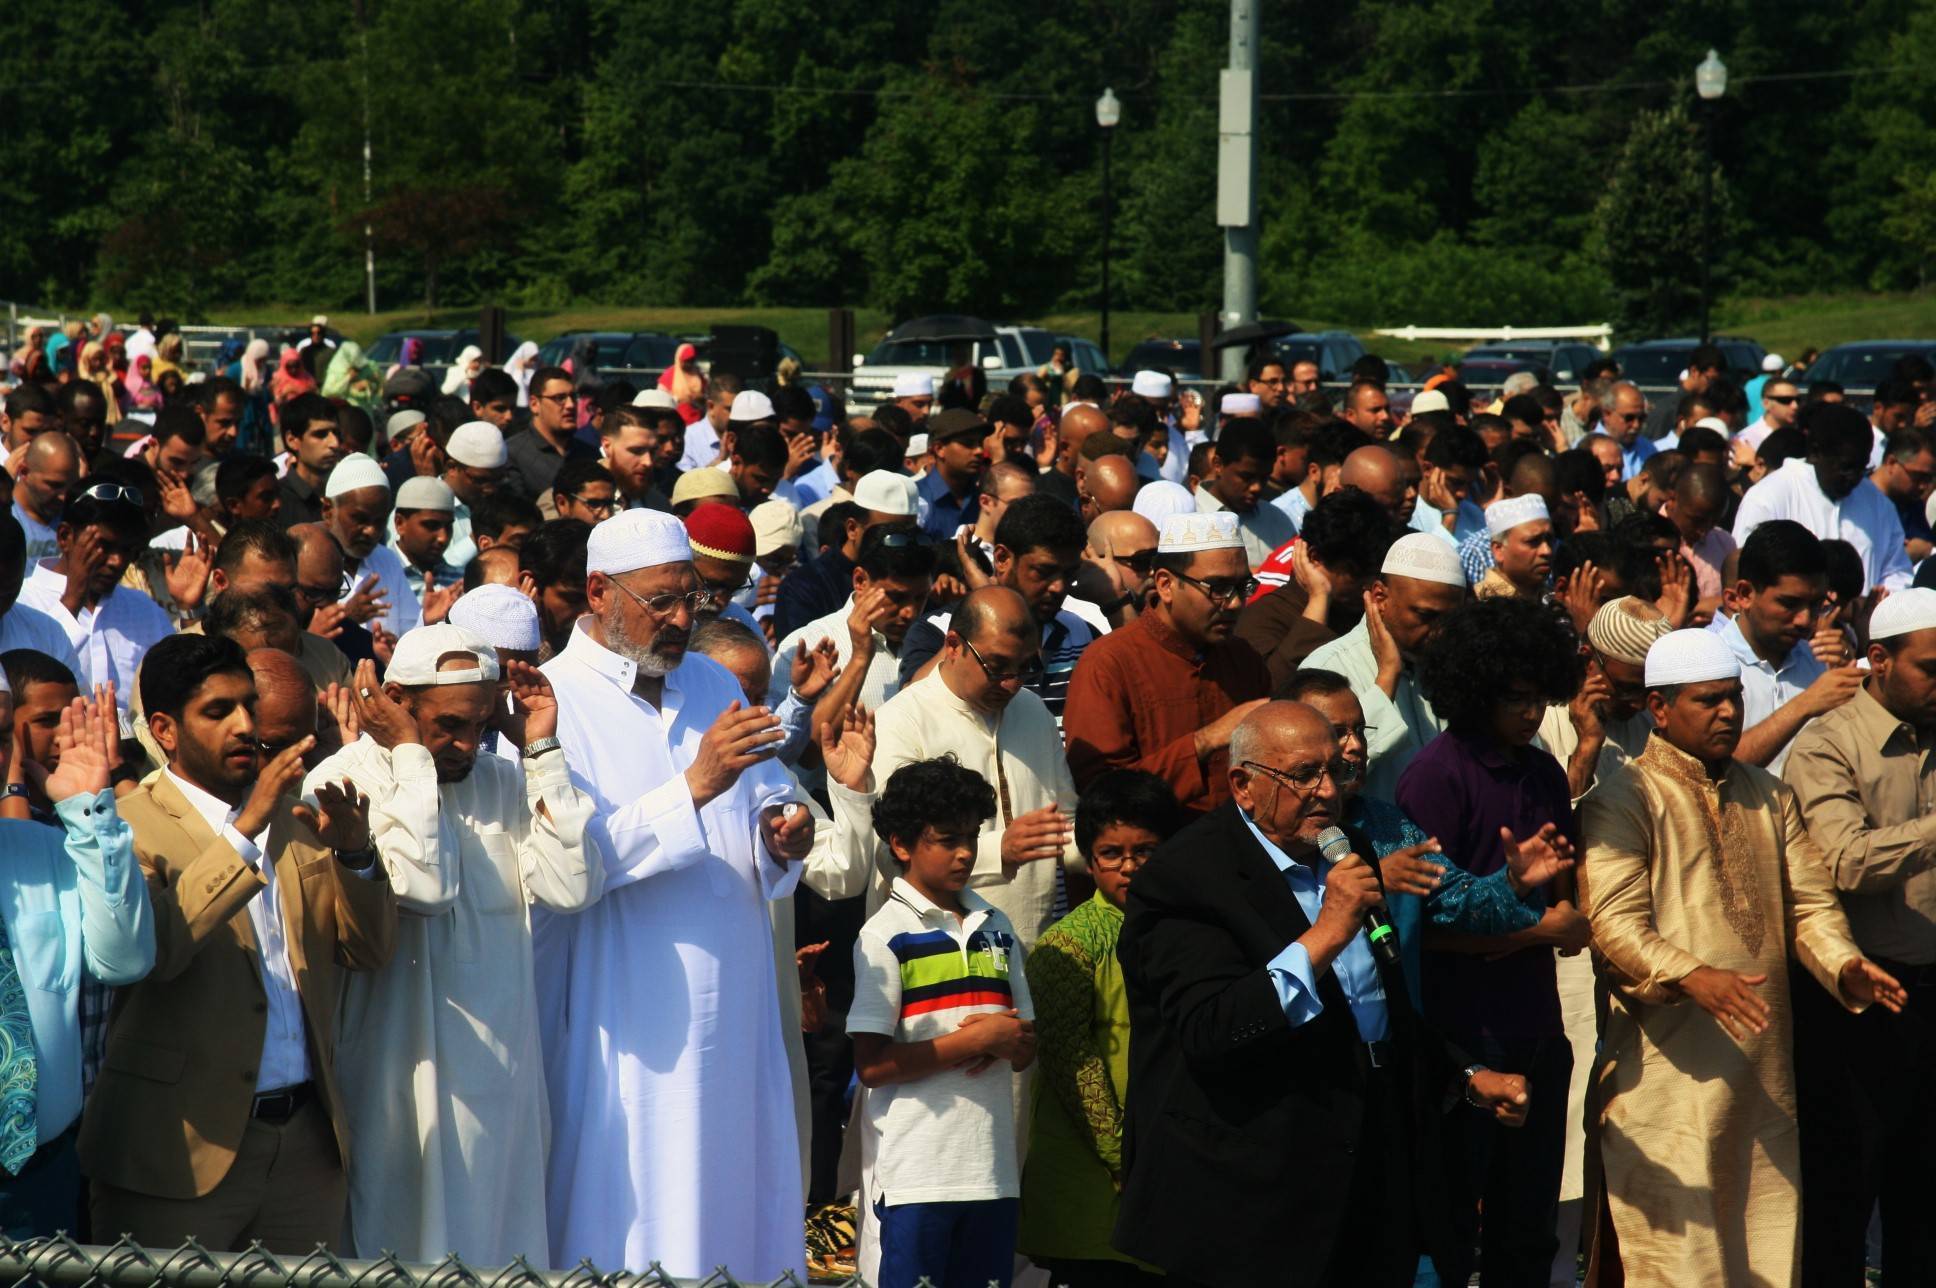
{"x":1284,"y":1099}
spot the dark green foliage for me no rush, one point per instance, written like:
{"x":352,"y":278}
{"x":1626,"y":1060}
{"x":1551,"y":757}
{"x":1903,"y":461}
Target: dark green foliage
{"x":1430,"y":161}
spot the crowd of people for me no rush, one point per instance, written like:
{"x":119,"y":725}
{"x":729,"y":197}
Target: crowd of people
{"x":1287,"y":836}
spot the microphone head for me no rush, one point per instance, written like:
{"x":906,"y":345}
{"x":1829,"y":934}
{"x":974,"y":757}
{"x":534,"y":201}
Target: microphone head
{"x":1333,"y":844}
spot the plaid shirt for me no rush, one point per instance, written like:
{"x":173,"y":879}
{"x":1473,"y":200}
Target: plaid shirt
{"x":1475,"y":556}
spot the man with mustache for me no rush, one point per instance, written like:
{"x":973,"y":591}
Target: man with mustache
{"x":467,"y":841}
{"x":659,"y":1006}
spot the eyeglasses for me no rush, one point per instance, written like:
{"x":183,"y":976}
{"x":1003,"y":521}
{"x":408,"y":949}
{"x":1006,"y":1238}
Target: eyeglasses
{"x":1031,"y":670}
{"x":1305,"y":778}
{"x":594,"y":503}
{"x":557,"y":398}
{"x":1783,"y":399}
{"x":111,"y":492}
{"x":664,"y":606}
{"x":901,"y":540}
{"x":720,"y":594}
{"x":1139,"y":563}
{"x":1112,"y":859}
{"x":1361,"y":731}
{"x":1235,"y":592}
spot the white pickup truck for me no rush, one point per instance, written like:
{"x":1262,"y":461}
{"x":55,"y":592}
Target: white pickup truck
{"x":1014,"y":350}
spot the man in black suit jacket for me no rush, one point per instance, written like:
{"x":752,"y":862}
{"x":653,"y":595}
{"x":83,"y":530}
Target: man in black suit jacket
{"x":1284,"y":1102}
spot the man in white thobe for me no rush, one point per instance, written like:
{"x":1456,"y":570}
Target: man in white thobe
{"x":673,"y":1134}
{"x":1828,"y":494}
{"x":439,"y":1060}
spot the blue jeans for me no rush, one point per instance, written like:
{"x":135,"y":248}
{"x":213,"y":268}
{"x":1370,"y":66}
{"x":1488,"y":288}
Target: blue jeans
{"x":955,"y":1245}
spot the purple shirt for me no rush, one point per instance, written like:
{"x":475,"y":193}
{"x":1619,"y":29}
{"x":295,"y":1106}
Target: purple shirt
{"x":1462,"y":789}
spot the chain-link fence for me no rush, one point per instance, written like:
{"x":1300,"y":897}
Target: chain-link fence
{"x":60,"y":1262}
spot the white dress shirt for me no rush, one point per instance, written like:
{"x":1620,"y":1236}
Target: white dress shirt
{"x":1864,"y":518}
{"x":23,"y":626}
{"x":1765,"y":688}
{"x":285,"y":1051}
{"x":883,"y":670}
{"x":108,"y":639}
{"x":386,"y":565}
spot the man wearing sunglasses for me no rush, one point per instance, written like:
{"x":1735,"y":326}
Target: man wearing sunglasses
{"x":976,"y":705}
{"x":1781,"y":405}
{"x":110,"y":627}
{"x":1165,"y":692}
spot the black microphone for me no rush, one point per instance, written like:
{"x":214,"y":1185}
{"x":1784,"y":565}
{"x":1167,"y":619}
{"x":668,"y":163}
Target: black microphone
{"x":1333,"y":844}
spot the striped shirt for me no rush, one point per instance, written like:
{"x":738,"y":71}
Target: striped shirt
{"x":918,"y":971}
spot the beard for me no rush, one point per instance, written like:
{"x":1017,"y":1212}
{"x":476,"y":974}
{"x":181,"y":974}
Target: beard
{"x":656,"y":657}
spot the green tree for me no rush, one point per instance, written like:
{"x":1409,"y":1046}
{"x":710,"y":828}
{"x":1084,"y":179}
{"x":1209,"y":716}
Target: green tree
{"x":1649,"y":227}
{"x":1912,"y":223}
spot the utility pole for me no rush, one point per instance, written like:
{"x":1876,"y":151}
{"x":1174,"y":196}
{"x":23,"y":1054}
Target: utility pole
{"x":1237,"y":177}
{"x":369,"y":235}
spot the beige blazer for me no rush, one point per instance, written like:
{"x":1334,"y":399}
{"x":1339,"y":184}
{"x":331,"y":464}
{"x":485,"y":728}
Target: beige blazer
{"x":178,"y":1084}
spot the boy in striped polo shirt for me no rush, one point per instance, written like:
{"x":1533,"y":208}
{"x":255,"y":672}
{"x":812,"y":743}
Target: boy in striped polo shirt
{"x":940,"y":1002}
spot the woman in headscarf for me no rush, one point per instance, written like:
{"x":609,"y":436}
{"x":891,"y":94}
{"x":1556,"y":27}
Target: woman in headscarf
{"x":686,"y":383}
{"x":168,"y":357}
{"x":520,"y":366}
{"x":257,"y":431}
{"x":142,"y":393}
{"x":291,"y":379}
{"x":30,"y":359}
{"x":352,"y":377}
{"x":62,"y":355}
{"x":457,"y":381}
{"x":96,"y":369}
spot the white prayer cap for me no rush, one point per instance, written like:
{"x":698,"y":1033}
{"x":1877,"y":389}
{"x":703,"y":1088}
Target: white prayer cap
{"x":477,"y":443}
{"x":1240,"y":404}
{"x":1503,"y":516}
{"x":425,"y":493}
{"x":1184,"y":534}
{"x":1158,"y":499}
{"x":354,"y":472}
{"x":751,"y":405}
{"x":403,"y":422}
{"x":1714,"y":423}
{"x":913,"y":384}
{"x":1772,"y":363}
{"x":885,"y":492}
{"x":654,"y":397}
{"x":1429,"y":400}
{"x":776,"y":525}
{"x":636,"y":539}
{"x":1423,"y":557}
{"x":319,"y":320}
{"x":501,"y":616}
{"x":1151,"y":384}
{"x":1903,"y":611}
{"x":917,"y":446}
{"x":415,"y":660}
{"x":1690,"y":657}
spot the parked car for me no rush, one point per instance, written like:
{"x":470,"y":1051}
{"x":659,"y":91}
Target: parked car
{"x":1333,"y":351}
{"x":1012,"y":350}
{"x":1659,"y":363}
{"x":1865,"y":363}
{"x":1566,"y":359}
{"x":1490,"y":373}
{"x":640,"y":350}
{"x":1088,"y":357}
{"x":440,"y":348}
{"x":1182,"y":358}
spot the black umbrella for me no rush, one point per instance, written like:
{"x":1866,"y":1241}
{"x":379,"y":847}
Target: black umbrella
{"x":943,"y":327}
{"x":1252,"y":332}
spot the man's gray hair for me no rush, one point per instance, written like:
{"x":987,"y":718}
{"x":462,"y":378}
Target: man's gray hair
{"x":1519,"y":382}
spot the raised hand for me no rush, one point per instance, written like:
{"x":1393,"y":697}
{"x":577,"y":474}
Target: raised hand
{"x":336,"y":704}
{"x":847,"y":748}
{"x":1407,"y":871}
{"x":1039,"y":834}
{"x":1051,"y":446}
{"x":186,"y":572}
{"x":811,"y":670}
{"x":273,"y":781}
{"x":1384,"y":649}
{"x":341,"y":820}
{"x":1581,"y":595}
{"x":437,"y":601}
{"x":969,"y":556}
{"x":534,"y":708}
{"x":739,"y":739}
{"x":1676,"y":588}
{"x":1533,"y":861}
{"x":89,"y":742}
{"x":380,"y":715}
{"x":1588,"y":710}
{"x":177,"y":502}
{"x":327,"y":621}
{"x":383,"y":644}
{"x":367,"y":601}
{"x":84,"y":559}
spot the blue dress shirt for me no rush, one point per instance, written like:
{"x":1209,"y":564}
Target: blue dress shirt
{"x":1290,"y":971}
{"x":946,"y":516}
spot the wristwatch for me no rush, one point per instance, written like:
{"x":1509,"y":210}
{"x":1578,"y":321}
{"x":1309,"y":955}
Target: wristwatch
{"x":1472,"y":1071}
{"x":541,"y":746}
{"x":14,"y":789}
{"x":357,"y":860}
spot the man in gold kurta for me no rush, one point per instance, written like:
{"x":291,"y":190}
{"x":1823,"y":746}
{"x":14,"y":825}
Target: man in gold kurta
{"x":1700,"y":881}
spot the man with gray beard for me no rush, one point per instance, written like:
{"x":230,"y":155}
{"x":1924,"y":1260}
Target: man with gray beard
{"x":673,"y":1136}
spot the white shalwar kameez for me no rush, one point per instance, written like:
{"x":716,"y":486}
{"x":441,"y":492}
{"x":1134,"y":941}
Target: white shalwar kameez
{"x":671,"y":1106}
{"x":438,"y":1057}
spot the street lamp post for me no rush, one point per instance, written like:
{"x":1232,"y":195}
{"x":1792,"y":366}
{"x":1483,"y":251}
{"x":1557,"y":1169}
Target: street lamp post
{"x":1109,"y":110}
{"x":1710,"y":82}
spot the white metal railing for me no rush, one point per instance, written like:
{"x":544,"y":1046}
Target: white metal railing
{"x":1601,"y":334}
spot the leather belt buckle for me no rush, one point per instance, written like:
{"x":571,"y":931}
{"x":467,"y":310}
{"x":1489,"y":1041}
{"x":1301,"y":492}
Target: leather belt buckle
{"x":1379,"y":1053}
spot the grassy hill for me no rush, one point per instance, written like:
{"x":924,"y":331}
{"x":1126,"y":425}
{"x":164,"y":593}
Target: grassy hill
{"x":1786,"y":325}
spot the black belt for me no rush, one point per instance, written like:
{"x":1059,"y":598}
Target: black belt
{"x":280,"y":1105}
{"x":1906,"y":975}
